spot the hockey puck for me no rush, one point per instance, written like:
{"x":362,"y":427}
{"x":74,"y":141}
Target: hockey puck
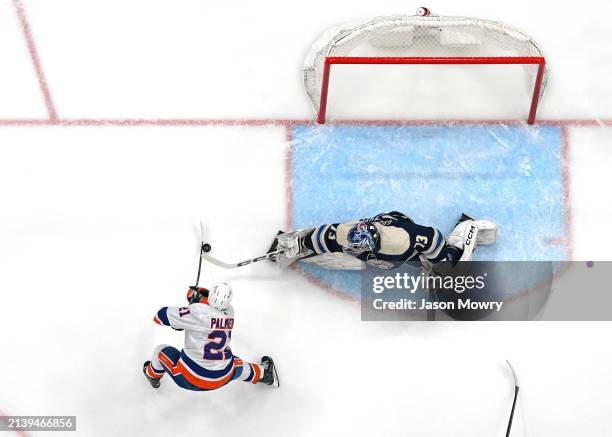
{"x":206,"y":247}
{"x":423,"y":12}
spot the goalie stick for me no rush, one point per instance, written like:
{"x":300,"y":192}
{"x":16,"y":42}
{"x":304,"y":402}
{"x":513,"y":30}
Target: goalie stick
{"x":516,"y":391}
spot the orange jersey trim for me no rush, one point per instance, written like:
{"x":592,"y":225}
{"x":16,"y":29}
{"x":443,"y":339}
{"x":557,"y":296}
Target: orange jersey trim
{"x":198,"y":381}
{"x":152,"y":373}
{"x":257,"y":371}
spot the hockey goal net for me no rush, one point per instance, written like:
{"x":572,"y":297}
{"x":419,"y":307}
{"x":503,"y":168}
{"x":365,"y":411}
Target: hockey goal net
{"x":422,"y":39}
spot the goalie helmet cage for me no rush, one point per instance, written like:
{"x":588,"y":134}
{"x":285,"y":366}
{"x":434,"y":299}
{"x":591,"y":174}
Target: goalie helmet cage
{"x":421,"y":39}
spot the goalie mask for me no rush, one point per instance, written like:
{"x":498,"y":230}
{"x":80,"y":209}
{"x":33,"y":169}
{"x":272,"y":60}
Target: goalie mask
{"x":363,"y":237}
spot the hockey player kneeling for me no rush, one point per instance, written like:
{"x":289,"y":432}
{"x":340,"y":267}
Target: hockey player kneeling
{"x":385,"y":241}
{"x":206,"y":362}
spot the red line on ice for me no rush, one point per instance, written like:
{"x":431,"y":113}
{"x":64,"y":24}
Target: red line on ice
{"x":567,"y":193}
{"x":289,"y":176}
{"x":42,"y":80}
{"x":328,"y":288}
{"x":197,"y":122}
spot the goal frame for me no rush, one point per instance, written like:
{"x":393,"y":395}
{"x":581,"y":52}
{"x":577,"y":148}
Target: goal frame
{"x":507,"y":60}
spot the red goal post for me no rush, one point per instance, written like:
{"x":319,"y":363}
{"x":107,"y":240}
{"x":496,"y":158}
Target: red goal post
{"x":511,"y":60}
{"x":422,"y":39}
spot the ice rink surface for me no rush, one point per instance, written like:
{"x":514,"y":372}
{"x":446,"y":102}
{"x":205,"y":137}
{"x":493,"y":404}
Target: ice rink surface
{"x":123,"y":124}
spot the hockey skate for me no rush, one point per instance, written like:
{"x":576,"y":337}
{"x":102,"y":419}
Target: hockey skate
{"x":270,"y":376}
{"x":155,"y":383}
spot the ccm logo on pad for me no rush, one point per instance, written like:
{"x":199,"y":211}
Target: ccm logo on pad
{"x":470,"y":235}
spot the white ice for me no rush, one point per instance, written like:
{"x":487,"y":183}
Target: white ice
{"x":98,"y":230}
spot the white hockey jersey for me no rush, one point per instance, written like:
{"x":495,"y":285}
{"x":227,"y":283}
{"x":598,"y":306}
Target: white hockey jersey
{"x":208,"y":333}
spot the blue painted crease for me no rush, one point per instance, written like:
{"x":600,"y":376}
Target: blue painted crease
{"x":512,"y":175}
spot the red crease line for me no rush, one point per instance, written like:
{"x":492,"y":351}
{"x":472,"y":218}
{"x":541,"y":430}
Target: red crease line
{"x":42,"y":81}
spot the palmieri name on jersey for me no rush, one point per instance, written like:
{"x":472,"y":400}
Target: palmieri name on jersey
{"x":221,"y":323}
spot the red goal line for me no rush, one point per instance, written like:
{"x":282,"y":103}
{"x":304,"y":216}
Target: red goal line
{"x":338,"y":60}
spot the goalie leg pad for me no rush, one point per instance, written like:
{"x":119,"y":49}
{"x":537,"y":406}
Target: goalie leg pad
{"x":469,"y":243}
{"x":293,"y":245}
{"x":487,"y":232}
{"x":470,"y":233}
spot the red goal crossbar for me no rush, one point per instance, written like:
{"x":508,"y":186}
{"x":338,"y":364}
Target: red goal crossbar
{"x":535,"y":60}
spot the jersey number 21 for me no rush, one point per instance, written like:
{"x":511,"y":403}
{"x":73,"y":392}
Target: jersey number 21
{"x":215,"y":348}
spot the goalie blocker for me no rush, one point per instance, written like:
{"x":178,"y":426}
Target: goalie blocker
{"x":385,"y":241}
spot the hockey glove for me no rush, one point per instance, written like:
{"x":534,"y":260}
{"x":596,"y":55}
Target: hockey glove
{"x":196,"y":294}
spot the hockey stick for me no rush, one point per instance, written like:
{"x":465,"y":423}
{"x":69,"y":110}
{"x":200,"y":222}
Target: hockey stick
{"x":516,"y":391}
{"x":206,"y":248}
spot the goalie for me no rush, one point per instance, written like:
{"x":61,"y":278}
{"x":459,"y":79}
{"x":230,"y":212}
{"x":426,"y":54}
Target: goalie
{"x":385,"y":241}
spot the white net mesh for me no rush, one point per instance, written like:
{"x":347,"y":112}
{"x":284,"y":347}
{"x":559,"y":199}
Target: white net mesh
{"x":416,"y":36}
